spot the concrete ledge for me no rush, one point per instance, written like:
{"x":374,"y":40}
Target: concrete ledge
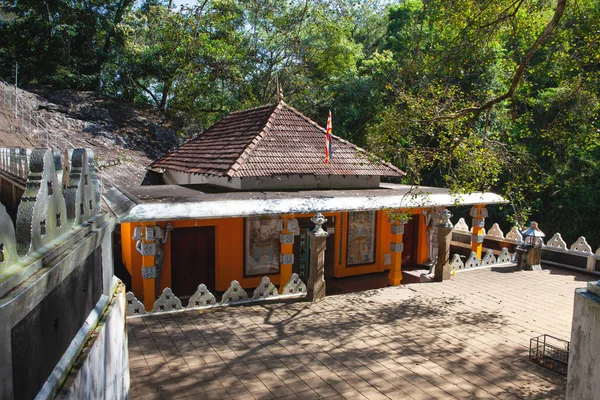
{"x":583,"y":380}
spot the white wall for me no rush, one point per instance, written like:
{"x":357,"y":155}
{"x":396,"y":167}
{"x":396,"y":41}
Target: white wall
{"x":283,"y":182}
{"x":583,"y":381}
{"x":102,"y":369}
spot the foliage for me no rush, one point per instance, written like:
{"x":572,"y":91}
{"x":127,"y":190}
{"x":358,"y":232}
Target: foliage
{"x":474,"y":95}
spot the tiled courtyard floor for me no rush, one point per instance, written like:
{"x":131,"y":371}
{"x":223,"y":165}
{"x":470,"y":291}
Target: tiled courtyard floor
{"x":467,"y":338}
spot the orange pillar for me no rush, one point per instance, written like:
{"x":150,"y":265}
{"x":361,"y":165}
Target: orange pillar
{"x":286,"y":261}
{"x":396,"y":247}
{"x":146,"y":247}
{"x":479,"y":213}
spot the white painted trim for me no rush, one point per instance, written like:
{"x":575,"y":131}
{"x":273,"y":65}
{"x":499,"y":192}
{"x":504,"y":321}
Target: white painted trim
{"x":247,"y":207}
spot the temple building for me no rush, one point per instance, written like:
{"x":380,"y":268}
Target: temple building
{"x":237,"y":200}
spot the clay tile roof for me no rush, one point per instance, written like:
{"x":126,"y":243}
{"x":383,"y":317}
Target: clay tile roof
{"x":269,"y":141}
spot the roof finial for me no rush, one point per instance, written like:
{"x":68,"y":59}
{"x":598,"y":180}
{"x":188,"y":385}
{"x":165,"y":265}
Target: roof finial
{"x":279,"y":89}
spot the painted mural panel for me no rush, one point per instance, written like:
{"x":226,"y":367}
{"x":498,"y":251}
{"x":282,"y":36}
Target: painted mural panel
{"x":262,"y":246}
{"x":361,"y":238}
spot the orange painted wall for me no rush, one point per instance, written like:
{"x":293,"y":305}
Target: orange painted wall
{"x":229,"y":250}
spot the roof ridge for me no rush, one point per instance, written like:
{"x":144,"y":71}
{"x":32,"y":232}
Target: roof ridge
{"x":358,"y":148}
{"x":249,"y":149}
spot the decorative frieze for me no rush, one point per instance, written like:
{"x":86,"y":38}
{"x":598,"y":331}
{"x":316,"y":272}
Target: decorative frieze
{"x":149,"y":272}
{"x":202,"y":297}
{"x":133,"y":305}
{"x":294,"y":285}
{"x":42,"y":211}
{"x":461,"y":225}
{"x":265,"y":289}
{"x":581,"y":245}
{"x":496,"y":232}
{"x":479,"y":222}
{"x":473,"y":261}
{"x":398,"y":229}
{"x":504,"y":256}
{"x":396,"y":247}
{"x":286,"y":238}
{"x":80,"y":195}
{"x":286,"y":259}
{"x":167,"y":302}
{"x":147,"y":249}
{"x":477,"y":237}
{"x":557,"y":242}
{"x":478,"y":212}
{"x":489,"y":258}
{"x":293,"y":226}
{"x":387,"y":259}
{"x":515,"y":235}
{"x":456,"y":262}
{"x":8,"y":243}
{"x":234,"y":293}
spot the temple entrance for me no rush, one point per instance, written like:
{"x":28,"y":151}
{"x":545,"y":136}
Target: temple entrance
{"x":411,"y":270}
{"x":410,"y":240}
{"x":192,"y":259}
{"x":302,"y":248}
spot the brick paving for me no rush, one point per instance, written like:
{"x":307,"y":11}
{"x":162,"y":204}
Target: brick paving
{"x":467,"y":338}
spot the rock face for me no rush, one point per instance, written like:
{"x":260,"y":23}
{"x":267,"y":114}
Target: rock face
{"x":125,"y":139}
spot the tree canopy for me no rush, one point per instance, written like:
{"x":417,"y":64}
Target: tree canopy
{"x":475,"y":95}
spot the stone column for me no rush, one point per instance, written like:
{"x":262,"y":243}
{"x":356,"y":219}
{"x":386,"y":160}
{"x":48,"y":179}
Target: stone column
{"x":479,"y":213}
{"x":583,"y":379}
{"x":286,"y":258}
{"x":145,"y":246}
{"x":396,"y":247}
{"x":444,"y":231}
{"x":315,"y":288}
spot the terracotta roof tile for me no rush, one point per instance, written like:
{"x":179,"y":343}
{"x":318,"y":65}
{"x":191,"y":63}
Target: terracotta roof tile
{"x":269,"y":141}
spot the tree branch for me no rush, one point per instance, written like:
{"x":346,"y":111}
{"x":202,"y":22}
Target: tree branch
{"x":476,"y":111}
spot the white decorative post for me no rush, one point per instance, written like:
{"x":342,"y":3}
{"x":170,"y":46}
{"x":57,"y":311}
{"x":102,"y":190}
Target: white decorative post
{"x":444,"y":231}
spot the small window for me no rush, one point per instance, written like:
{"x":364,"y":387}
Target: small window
{"x":43,"y":227}
{"x":58,"y":221}
{"x":85,"y":179}
{"x":81,"y":208}
{"x":50,"y":189}
{"x":91,"y":205}
{"x":1,"y":252}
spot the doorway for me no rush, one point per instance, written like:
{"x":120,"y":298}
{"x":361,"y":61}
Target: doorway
{"x":302,"y":248}
{"x":192,"y":259}
{"x":410,"y":240}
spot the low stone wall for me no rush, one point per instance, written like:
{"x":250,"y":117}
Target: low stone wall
{"x":579,"y":255}
{"x":583,"y":380}
{"x":102,"y":369}
{"x":56,"y":277}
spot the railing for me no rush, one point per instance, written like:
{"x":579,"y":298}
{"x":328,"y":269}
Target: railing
{"x":56,"y":272}
{"x":203,"y":298}
{"x":15,"y":163}
{"x":500,"y":248}
{"x":27,"y":114}
{"x":579,"y":255}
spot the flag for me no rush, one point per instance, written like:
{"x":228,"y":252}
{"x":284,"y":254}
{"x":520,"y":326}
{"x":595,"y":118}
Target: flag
{"x":328,"y":149}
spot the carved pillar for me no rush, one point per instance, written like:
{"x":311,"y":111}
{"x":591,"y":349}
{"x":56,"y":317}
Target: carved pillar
{"x":315,"y":288}
{"x":396,"y":247}
{"x":479,"y":213}
{"x":286,"y":260}
{"x":444,"y":232}
{"x":144,"y":235}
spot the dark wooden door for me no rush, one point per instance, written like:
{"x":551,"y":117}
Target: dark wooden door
{"x":410,"y":240}
{"x":192,"y":259}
